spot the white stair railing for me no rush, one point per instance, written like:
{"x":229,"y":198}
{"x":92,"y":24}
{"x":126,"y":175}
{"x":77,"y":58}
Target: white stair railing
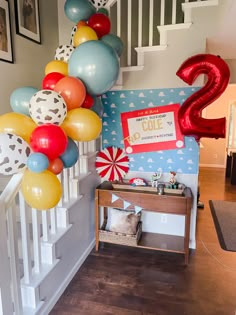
{"x":25,"y":234}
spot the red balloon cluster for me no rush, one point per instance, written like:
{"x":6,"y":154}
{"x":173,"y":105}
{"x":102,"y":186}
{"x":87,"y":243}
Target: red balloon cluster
{"x":100,"y":23}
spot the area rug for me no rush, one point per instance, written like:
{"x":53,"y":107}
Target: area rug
{"x":224,"y":216}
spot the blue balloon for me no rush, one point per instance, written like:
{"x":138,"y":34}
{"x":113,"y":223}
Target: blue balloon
{"x":96,"y":64}
{"x":77,"y":10}
{"x":37,"y":162}
{"x":98,"y":106}
{"x":71,"y":154}
{"x":20,"y":98}
{"x":114,"y":41}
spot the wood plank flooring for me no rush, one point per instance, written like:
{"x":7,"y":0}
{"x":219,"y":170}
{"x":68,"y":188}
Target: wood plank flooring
{"x":120,"y":280}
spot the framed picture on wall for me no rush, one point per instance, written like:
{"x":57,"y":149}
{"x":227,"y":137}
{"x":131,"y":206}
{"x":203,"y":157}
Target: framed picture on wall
{"x":27,"y":19}
{"x":5,"y":32}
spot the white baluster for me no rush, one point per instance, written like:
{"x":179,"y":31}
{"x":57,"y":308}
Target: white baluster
{"x":129,"y":29}
{"x":162,"y":16}
{"x":118,"y":12}
{"x":173,"y":11}
{"x":53,"y":219}
{"x":85,"y":147}
{"x":45,"y":225}
{"x":36,"y":241}
{"x":81,"y":148}
{"x":151,"y":10}
{"x":65,"y":185}
{"x":140,"y":22}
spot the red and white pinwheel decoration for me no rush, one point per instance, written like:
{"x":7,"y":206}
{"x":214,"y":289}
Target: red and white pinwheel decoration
{"x":112,"y":163}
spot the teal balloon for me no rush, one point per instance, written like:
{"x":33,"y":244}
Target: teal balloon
{"x":114,"y":41}
{"x":77,"y":10}
{"x":98,"y":106}
{"x":37,"y":162}
{"x":71,"y":154}
{"x":96,"y":64}
{"x":103,"y":11}
{"x":20,"y":98}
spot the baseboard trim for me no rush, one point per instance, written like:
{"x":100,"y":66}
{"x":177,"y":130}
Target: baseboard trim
{"x":212,"y":165}
{"x":47,"y":307}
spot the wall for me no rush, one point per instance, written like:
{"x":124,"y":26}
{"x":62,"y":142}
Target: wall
{"x":30,"y":58}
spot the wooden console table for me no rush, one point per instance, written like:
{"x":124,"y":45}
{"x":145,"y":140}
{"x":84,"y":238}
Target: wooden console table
{"x":148,"y":201}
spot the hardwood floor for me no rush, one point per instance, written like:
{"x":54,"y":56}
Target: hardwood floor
{"x":127,"y":281}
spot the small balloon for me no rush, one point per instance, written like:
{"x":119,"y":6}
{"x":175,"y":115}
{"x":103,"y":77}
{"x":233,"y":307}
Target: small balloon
{"x":77,"y":10}
{"x":114,"y":41}
{"x":103,"y":11}
{"x":100,"y":23}
{"x":14,"y":153}
{"x":88,"y":101}
{"x":37,"y":162}
{"x":82,"y":124}
{"x":18,"y":124}
{"x":19,"y":99}
{"x":72,"y":90}
{"x":57,"y":66}
{"x":96,"y":64}
{"x":49,"y":139}
{"x":51,"y":79}
{"x":63,"y":52}
{"x":56,"y":166}
{"x":84,"y":34}
{"x":41,"y":191}
{"x":71,"y":154}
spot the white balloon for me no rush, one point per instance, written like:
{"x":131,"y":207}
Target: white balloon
{"x":47,"y":107}
{"x":98,"y":3}
{"x":14,"y":153}
{"x":63,"y":52}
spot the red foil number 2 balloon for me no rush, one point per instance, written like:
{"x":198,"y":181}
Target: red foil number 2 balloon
{"x":189,"y":116}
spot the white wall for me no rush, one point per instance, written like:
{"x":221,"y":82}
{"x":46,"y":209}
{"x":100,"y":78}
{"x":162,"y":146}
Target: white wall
{"x":30,"y":58}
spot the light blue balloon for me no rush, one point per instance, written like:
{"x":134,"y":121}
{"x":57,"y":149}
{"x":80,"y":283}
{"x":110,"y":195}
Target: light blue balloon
{"x":77,"y":10}
{"x":96,"y":64}
{"x":114,"y":41}
{"x":98,"y":106}
{"x":71,"y":154}
{"x":37,"y":162}
{"x":19,"y":99}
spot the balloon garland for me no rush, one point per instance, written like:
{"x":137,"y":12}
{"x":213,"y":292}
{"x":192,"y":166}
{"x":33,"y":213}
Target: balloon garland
{"x":38,"y":137}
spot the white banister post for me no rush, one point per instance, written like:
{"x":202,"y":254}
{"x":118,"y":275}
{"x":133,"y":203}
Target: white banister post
{"x":162,"y":13}
{"x":151,"y":9}
{"x":129,"y":30}
{"x":45,"y":225}
{"x":118,"y":26}
{"x":173,"y":11}
{"x":36,"y":241}
{"x":140,"y":22}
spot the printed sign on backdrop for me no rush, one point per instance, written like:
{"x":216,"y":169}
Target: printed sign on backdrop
{"x":152,"y":129}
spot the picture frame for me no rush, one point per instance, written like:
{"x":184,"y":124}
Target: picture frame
{"x":6,"y":53}
{"x":28,"y":20}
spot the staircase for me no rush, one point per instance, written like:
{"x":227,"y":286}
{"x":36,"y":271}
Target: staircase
{"x":42,"y":250}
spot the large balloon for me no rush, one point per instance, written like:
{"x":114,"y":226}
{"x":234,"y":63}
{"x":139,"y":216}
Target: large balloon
{"x":49,"y":139}
{"x":96,"y":64}
{"x":56,"y":66}
{"x":63,"y":52}
{"x":14,"y":152}
{"x":51,"y":79}
{"x":19,"y":99}
{"x":37,"y":162}
{"x":100,"y":23}
{"x":77,"y":10}
{"x":84,"y":34}
{"x":17,"y":124}
{"x":189,"y":115}
{"x":47,"y":106}
{"x":41,"y":191}
{"x":71,"y":154}
{"x":114,"y":41}
{"x":82,"y":124}
{"x":98,"y":106}
{"x":72,"y":90}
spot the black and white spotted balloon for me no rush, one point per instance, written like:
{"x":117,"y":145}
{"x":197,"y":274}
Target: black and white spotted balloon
{"x":63,"y":52}
{"x":98,"y":3}
{"x":14,"y":153}
{"x":74,"y":29}
{"x":47,"y":107}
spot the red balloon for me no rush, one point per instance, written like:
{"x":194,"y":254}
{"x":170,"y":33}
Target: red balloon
{"x":49,"y":139}
{"x":51,"y":79}
{"x":56,"y":166}
{"x":88,"y":102}
{"x":189,"y":115}
{"x":72,"y":90}
{"x":100,"y":23}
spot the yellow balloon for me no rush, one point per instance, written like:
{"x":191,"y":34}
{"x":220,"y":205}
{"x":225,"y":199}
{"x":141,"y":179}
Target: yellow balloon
{"x":41,"y":191}
{"x":17,"y":124}
{"x":83,"y":34}
{"x":57,"y":66}
{"x":82,"y":124}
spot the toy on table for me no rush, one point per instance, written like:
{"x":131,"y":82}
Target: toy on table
{"x":137,"y":181}
{"x":155,"y":178}
{"x":173,"y":181}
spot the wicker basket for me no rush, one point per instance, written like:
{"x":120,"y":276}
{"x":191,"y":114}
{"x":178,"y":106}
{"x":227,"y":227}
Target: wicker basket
{"x":120,"y":238}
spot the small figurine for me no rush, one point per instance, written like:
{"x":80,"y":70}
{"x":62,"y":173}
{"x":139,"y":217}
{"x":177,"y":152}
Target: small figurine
{"x":172,"y":179}
{"x":137,"y":181}
{"x":155,"y":177}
